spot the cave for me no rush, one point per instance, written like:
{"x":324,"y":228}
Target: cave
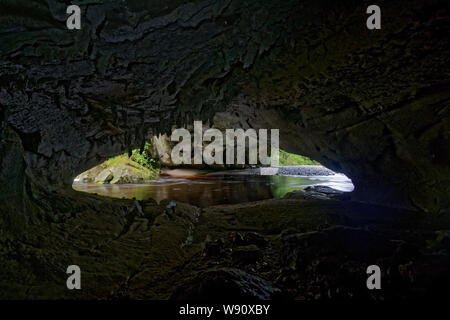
{"x":152,"y":174}
{"x":371,"y":104}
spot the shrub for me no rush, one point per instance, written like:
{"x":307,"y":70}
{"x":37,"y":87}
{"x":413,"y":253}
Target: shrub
{"x":144,"y":158}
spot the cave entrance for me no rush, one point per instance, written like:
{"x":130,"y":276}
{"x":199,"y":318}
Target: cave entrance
{"x":150,"y":174}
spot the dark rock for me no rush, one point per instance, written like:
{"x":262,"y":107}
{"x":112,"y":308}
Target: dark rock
{"x":339,"y":256}
{"x":246,"y":254}
{"x":318,"y":192}
{"x":324,"y":189}
{"x":237,"y":239}
{"x":373,"y":105}
{"x":302,"y":195}
{"x":226,"y":284}
{"x":442,"y":241}
{"x":329,"y":192}
{"x":255,"y":238}
{"x":214,"y":248}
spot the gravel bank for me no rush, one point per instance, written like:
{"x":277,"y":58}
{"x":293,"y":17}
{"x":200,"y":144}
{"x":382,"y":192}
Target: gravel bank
{"x":281,"y":171}
{"x":304,"y":171}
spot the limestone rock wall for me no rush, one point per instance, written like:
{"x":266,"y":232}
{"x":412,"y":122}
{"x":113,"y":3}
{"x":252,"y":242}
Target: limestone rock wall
{"x":372,"y":104}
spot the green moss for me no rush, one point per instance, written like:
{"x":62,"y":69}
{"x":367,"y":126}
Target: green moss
{"x":118,"y":170}
{"x":290,"y":159}
{"x":114,"y":161}
{"x":144,"y":163}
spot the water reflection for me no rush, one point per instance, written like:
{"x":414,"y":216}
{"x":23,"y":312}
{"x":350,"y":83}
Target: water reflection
{"x":213,"y":190}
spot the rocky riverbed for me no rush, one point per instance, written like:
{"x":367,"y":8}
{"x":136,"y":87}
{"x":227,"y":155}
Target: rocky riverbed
{"x":305,"y":171}
{"x":302,"y":170}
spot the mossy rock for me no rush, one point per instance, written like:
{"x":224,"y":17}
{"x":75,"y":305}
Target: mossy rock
{"x":118,"y":170}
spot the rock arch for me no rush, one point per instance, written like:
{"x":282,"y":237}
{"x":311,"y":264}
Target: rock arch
{"x":372,"y":104}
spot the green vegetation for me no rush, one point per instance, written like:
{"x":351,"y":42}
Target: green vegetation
{"x":146,"y":165}
{"x":118,"y":170}
{"x":143,"y":159}
{"x":114,"y":161}
{"x":290,"y":159}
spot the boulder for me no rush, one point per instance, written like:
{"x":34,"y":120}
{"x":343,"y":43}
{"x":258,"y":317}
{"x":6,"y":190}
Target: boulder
{"x":118,"y":170}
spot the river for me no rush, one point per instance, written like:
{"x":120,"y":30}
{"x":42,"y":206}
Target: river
{"x":217,"y":189}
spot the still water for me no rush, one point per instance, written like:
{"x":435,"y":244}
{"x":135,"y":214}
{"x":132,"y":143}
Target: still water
{"x":213,"y":190}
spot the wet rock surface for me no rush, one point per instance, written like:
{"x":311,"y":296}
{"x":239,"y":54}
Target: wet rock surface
{"x":318,"y":192}
{"x":227,"y":284}
{"x":283,"y":248}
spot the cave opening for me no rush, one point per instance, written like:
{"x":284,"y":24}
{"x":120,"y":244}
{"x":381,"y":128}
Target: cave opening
{"x":371,"y":104}
{"x":150,"y":173}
